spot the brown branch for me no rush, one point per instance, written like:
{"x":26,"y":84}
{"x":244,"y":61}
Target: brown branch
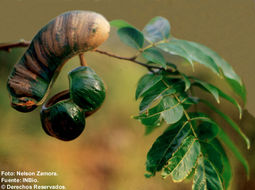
{"x":9,"y":46}
{"x":132,"y":59}
{"x":23,"y":43}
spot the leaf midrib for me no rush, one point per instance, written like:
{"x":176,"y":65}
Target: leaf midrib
{"x":194,"y":140}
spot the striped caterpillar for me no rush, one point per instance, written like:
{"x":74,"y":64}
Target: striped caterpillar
{"x":65,"y":36}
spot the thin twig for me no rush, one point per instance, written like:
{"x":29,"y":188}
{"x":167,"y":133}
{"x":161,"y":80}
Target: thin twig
{"x":82,"y":60}
{"x":115,"y":56}
{"x":9,"y":46}
{"x":132,"y":59}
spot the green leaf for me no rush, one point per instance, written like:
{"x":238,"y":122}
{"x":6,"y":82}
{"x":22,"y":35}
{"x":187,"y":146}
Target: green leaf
{"x":206,"y":131}
{"x":146,"y":83}
{"x":168,"y":109}
{"x":171,"y":65}
{"x":150,"y":129}
{"x":183,"y":160}
{"x":229,"y":121}
{"x":151,"y":97}
{"x":154,"y":56}
{"x":153,"y":87}
{"x":216,"y":92}
{"x":213,"y":155}
{"x":209,"y":87}
{"x":227,"y":171}
{"x":202,"y":117}
{"x":165,"y":145}
{"x":186,"y":81}
{"x":174,"y":49}
{"x":196,"y":54}
{"x":232,"y":78}
{"x":131,"y":37}
{"x":157,"y":29}
{"x":120,"y":24}
{"x":225,"y":138}
{"x":206,"y":176}
{"x":231,"y":100}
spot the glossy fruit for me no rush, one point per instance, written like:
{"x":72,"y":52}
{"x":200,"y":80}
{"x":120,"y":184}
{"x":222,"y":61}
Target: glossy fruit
{"x":86,"y":88}
{"x":62,"y":118}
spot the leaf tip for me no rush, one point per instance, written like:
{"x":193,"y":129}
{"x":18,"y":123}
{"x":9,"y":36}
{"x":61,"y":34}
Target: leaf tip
{"x":148,"y":175}
{"x":248,"y":144}
{"x":193,"y":68}
{"x":133,"y":117}
{"x":240,"y":114}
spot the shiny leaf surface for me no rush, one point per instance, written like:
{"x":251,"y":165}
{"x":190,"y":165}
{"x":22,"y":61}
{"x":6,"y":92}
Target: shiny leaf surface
{"x":183,"y":160}
{"x":232,"y":78}
{"x":154,"y":56}
{"x":165,"y":146}
{"x":157,"y":29}
{"x":131,"y":37}
{"x":206,"y":176}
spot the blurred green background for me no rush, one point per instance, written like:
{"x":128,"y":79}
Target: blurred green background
{"x":111,"y":153}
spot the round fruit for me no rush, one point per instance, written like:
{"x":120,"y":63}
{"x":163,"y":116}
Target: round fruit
{"x":62,"y":118}
{"x":86,"y":88}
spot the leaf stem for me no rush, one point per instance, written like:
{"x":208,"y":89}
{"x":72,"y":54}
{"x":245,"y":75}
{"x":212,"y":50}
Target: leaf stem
{"x":83,"y":61}
{"x":187,"y":117}
{"x":150,"y":45}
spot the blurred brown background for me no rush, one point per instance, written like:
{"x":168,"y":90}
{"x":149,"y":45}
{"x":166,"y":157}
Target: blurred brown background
{"x":111,"y":153}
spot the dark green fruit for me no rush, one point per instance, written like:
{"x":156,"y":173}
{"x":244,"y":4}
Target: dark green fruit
{"x":86,"y":88}
{"x":62,"y":118}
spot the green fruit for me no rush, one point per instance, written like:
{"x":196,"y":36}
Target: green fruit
{"x":86,"y":88}
{"x":62,"y":118}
